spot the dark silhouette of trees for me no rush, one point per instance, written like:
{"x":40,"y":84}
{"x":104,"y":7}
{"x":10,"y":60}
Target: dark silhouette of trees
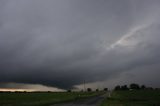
{"x":134,"y":86}
{"x":143,"y":87}
{"x":89,"y":89}
{"x":105,"y":89}
{"x":149,"y":88}
{"x":97,"y":90}
{"x":124,"y":87}
{"x":69,"y":90}
{"x":117,"y":87}
{"x":157,"y":88}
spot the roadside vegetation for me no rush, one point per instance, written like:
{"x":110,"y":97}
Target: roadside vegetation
{"x":134,"y":95}
{"x":40,"y":98}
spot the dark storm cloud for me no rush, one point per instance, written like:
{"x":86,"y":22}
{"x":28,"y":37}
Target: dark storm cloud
{"x":64,"y":42}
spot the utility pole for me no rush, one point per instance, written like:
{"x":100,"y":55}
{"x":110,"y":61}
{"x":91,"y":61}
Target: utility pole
{"x":84,"y":86}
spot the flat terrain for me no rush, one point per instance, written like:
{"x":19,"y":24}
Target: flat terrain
{"x":133,"y":98}
{"x":41,"y":98}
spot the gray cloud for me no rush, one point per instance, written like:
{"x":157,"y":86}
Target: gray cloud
{"x":61,"y":43}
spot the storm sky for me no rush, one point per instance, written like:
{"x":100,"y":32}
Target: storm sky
{"x":62,"y":43}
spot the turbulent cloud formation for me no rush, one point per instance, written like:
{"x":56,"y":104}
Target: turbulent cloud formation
{"x":63,"y":43}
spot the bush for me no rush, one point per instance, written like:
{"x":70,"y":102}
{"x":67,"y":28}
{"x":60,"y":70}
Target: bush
{"x":97,"y":90}
{"x":69,"y":90}
{"x":89,"y":89}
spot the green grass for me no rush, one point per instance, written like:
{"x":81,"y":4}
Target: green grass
{"x":133,"y":98}
{"x":41,"y":98}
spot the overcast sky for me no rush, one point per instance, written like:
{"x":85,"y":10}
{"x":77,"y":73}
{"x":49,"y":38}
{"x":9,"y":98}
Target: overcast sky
{"x":62,"y":43}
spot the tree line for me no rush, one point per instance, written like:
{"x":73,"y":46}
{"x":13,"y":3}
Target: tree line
{"x":133,"y":86}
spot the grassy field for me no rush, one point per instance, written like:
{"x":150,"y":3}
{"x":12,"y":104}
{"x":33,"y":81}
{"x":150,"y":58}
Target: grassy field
{"x":41,"y":98}
{"x":133,"y":98}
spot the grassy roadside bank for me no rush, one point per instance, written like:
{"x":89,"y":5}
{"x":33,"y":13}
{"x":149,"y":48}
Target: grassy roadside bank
{"x":41,"y":98}
{"x":133,"y":98}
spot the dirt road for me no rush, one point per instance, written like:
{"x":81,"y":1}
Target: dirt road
{"x":93,"y":101}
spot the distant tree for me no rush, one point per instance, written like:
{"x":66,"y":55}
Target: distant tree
{"x":143,"y":87}
{"x":97,"y":90}
{"x":157,"y":88}
{"x":89,"y":89}
{"x":105,"y":89}
{"x":49,"y":91}
{"x":134,"y":86}
{"x":117,"y":87}
{"x":149,"y":88}
{"x":69,"y":90}
{"x":124,"y":87}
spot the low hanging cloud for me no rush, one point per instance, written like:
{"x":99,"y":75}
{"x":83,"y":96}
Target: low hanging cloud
{"x":27,"y":87}
{"x":63,"y":43}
